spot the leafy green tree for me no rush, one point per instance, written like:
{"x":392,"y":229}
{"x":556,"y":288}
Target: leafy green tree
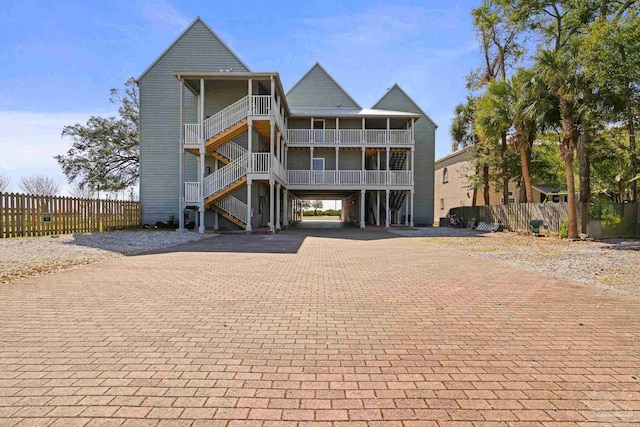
{"x":464,"y":135}
{"x":611,"y":56}
{"x":493,"y":120}
{"x":105,"y":153}
{"x":316,"y":204}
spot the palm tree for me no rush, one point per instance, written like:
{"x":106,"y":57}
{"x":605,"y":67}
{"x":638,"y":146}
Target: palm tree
{"x":493,"y":121}
{"x":559,"y":72}
{"x":530,"y":105}
{"x":464,"y":135}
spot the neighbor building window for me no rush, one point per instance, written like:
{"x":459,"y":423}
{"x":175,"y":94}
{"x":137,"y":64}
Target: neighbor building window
{"x":445,"y":175}
{"x":441,"y":204}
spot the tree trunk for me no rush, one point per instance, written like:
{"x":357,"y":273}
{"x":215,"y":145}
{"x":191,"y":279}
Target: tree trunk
{"x":485,"y":185}
{"x":525,"y":160}
{"x":566,"y":151}
{"x":584,"y":142}
{"x":571,"y":200}
{"x":474,"y":201}
{"x":505,"y":170}
{"x":632,"y":148}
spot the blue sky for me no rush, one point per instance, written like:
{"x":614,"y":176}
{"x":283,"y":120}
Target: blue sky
{"x":58,"y":59}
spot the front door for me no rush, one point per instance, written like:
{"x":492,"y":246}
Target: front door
{"x":318,"y":170}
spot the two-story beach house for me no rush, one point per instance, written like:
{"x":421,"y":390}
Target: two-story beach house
{"x":226,"y":147}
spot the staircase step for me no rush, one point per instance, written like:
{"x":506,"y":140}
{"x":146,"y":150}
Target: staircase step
{"x":230,"y":217}
{"x":226,"y":136}
{"x":225,"y":191}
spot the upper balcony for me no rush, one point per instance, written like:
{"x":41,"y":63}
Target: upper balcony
{"x":350,"y":137}
{"x":255,"y":106}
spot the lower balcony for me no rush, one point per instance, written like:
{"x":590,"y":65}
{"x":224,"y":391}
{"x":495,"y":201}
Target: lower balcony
{"x":349,"y":178}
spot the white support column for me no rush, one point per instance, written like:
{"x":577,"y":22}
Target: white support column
{"x":250,"y":144}
{"x":363,"y":127}
{"x":388,"y":174}
{"x":312,"y":137}
{"x":181,"y":160}
{"x":363,"y":174}
{"x":272,"y":191}
{"x":378,"y":208}
{"x":249,"y":204}
{"x":411,"y":220}
{"x":362,"y":209}
{"x":201,"y":118}
{"x":250,"y":93}
{"x":413,"y":133}
{"x":278,"y":206}
{"x":311,"y":159}
{"x":285,"y":206}
{"x":201,"y":172}
{"x":216,"y":215}
{"x":272,"y":143}
{"x":387,"y":216}
{"x":337,"y":162}
{"x":406,"y":211}
{"x":388,"y":137}
{"x":337,"y":131}
{"x":277,"y":145}
{"x":273,"y":94}
{"x":286,"y":157}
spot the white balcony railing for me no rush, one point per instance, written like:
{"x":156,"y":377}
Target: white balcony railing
{"x":350,"y":137}
{"x":400,"y":177}
{"x":261,"y":163}
{"x":192,"y":193}
{"x":192,"y":134}
{"x":261,"y":105}
{"x":348,"y":177}
{"x":354,"y":177}
{"x":376,"y":177}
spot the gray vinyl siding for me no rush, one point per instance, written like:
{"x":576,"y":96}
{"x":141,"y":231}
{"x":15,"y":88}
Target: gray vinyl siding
{"x":318,"y":90}
{"x":425,"y":133}
{"x":298,"y":160}
{"x":197,"y":50}
{"x":219,"y":94}
{"x":350,"y":160}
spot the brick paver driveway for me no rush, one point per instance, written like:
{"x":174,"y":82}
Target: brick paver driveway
{"x":345,"y":328}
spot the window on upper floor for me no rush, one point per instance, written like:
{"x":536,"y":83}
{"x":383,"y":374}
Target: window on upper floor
{"x":445,"y":175}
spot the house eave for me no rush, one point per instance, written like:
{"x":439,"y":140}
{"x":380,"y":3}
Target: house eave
{"x":236,"y":75}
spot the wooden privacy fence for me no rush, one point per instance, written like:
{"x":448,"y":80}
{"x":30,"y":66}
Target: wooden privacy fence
{"x":24,"y":215}
{"x":516,"y":216}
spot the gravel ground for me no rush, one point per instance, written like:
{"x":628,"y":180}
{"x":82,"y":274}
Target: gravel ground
{"x":22,"y":257}
{"x":611,"y":264}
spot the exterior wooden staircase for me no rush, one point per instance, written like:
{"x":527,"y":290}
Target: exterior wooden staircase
{"x":233,"y":209}
{"x":226,"y":136}
{"x":229,"y":152}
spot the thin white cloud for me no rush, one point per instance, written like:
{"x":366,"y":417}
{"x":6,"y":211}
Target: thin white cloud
{"x":383,"y":24}
{"x":29,"y":141}
{"x":164,"y":13}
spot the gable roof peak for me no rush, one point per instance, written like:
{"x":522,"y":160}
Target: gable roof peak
{"x":406,"y":95}
{"x":318,"y":66}
{"x":198,"y":19}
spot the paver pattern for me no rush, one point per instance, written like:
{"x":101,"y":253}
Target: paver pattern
{"x":315,"y":328}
